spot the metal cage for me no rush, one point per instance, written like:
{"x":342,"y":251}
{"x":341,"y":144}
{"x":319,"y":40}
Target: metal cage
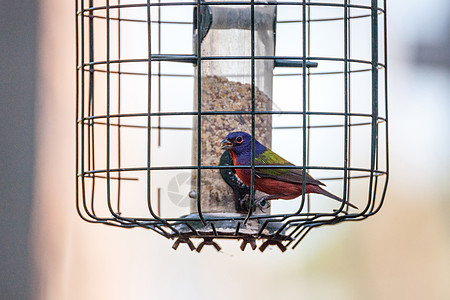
{"x":141,"y":115}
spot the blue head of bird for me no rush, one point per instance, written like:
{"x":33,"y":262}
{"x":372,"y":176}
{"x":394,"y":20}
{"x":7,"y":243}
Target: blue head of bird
{"x":240,"y":142}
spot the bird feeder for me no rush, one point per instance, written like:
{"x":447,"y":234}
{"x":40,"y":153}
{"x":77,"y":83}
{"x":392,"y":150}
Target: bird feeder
{"x":226,"y":88}
{"x":306,"y":77}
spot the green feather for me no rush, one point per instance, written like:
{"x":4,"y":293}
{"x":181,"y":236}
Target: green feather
{"x":269,"y":157}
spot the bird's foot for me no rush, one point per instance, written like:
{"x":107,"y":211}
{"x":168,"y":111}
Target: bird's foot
{"x":263,"y":203}
{"x":244,"y":202}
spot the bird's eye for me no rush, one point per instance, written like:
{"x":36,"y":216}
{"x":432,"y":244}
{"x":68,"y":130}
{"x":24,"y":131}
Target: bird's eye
{"x":239,"y":139}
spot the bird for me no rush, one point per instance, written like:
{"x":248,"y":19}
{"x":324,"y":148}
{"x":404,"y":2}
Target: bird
{"x":277,"y":183}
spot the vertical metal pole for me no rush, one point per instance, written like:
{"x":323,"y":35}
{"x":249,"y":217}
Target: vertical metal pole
{"x":108,"y":108}
{"x":374,"y":18}
{"x":199,"y":115}
{"x":80,"y":134}
{"x":383,"y":193}
{"x":386,"y":105}
{"x":304,"y":82}
{"x":91,"y":133}
{"x":82,"y":119}
{"x":149,"y":111}
{"x":349,"y":82}
{"x":77,"y":107}
{"x":346,"y":101}
{"x":308,"y":95}
{"x":119,"y":142}
{"x":159,"y":74}
{"x":252,"y":183}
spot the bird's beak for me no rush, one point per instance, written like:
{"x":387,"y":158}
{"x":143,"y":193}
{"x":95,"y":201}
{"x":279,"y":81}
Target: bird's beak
{"x":226,"y":144}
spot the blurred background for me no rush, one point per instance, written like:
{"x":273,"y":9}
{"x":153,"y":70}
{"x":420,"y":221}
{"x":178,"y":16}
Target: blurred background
{"x":48,"y":252}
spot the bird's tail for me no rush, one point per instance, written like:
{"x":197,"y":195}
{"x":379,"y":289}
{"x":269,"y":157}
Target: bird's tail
{"x":318,"y":190}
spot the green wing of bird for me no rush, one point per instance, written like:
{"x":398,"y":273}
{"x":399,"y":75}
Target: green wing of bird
{"x":269,"y":157}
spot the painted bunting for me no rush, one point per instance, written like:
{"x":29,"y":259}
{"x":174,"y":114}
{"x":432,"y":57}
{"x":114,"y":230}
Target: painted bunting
{"x":277,"y":183}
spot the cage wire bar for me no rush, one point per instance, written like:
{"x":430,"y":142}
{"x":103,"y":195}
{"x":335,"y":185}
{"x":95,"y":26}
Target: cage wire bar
{"x":102,"y":168}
